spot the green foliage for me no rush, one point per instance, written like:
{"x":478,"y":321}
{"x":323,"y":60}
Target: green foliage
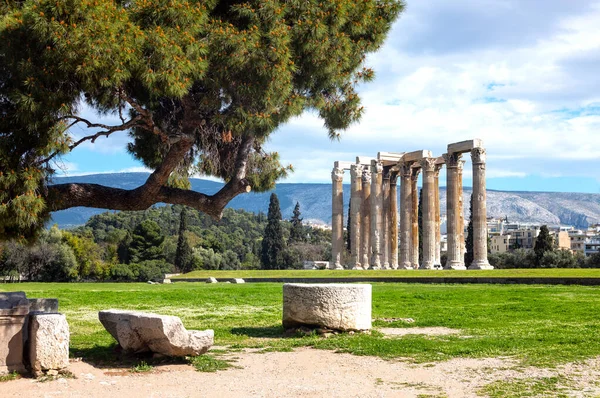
{"x":593,"y":261}
{"x":273,"y":243}
{"x":208,"y":363}
{"x":151,"y":270}
{"x":142,"y":367}
{"x":543,"y":244}
{"x":297,"y":230}
{"x":217,"y":71}
{"x":104,"y":248}
{"x":10,"y":376}
{"x":469,"y":240}
{"x":560,"y":259}
{"x":183,"y":256}
{"x":146,"y":242}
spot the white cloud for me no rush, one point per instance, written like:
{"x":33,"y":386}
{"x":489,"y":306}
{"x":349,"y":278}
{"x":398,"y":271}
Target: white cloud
{"x":521,"y":75}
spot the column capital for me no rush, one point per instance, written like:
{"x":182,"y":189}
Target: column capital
{"x":414,"y":173}
{"x":405,"y":170}
{"x":437,"y":168}
{"x":337,"y":174}
{"x":478,"y":155}
{"x":376,"y":167}
{"x":387,"y":172}
{"x":366,"y":175}
{"x":452,"y":159}
{"x":356,"y":170}
{"x":428,"y":164}
{"x":393,"y":178}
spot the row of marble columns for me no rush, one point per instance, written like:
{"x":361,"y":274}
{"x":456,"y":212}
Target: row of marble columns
{"x":374,"y":232}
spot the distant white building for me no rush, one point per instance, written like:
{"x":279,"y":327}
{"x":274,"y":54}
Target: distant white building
{"x":591,"y":246}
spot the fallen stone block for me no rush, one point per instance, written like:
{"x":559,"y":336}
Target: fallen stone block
{"x":138,"y":332}
{"x":212,"y":280}
{"x":334,"y":306}
{"x":238,"y":280}
{"x":48,"y":343}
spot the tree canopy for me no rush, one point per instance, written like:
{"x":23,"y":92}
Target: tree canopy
{"x":198,"y":85}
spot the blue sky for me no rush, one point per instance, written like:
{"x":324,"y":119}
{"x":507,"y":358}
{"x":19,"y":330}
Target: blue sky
{"x":520,"y":74}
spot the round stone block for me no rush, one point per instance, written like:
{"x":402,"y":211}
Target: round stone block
{"x":335,"y":306}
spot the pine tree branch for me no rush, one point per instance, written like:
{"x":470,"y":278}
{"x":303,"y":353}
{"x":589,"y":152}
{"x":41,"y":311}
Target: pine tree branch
{"x":64,"y":196}
{"x":108,"y":130}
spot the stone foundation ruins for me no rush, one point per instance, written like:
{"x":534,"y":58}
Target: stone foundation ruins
{"x":374,"y":218}
{"x":33,"y":335}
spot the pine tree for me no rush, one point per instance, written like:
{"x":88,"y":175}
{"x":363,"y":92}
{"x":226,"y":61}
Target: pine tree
{"x":543,"y":243}
{"x":198,"y":85}
{"x":183,"y":255}
{"x":146,"y":242}
{"x":273,"y":243}
{"x":297,"y":230}
{"x":469,"y":240}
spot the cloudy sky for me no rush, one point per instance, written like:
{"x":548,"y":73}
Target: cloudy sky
{"x":523,"y":75}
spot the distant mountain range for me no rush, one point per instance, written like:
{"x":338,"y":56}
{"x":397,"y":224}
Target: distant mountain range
{"x":552,"y":208}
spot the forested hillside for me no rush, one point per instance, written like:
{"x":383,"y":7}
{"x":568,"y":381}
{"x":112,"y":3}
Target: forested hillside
{"x":577,"y":209}
{"x":143,"y":246}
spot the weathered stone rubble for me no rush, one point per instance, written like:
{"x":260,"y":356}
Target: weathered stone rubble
{"x":334,"y":306}
{"x":138,"y":332}
{"x":48,"y":342}
{"x":32,"y":333}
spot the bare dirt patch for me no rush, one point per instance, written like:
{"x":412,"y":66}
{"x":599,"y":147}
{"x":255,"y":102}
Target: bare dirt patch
{"x":305,"y":372}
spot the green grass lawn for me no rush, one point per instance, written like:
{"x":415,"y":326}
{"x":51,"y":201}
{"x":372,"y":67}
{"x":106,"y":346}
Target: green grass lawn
{"x":537,"y":324}
{"x":498,"y":273}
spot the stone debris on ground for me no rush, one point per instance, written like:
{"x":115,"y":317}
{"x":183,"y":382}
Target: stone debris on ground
{"x":48,"y":343}
{"x":333,"y":306}
{"x":138,"y":332}
{"x":212,"y":280}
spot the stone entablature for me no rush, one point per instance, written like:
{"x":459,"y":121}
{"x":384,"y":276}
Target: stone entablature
{"x":374,"y":232}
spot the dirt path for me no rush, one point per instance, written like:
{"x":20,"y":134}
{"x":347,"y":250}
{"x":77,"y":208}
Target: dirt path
{"x":303,"y":373}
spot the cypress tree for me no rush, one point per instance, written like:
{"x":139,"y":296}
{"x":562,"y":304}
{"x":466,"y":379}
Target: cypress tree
{"x":543,"y":243}
{"x":297,"y":230}
{"x":273,"y":244}
{"x":183,"y":255}
{"x":469,"y":241}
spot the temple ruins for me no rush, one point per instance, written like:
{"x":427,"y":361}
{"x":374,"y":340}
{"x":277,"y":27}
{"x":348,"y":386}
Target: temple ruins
{"x":376,"y":242}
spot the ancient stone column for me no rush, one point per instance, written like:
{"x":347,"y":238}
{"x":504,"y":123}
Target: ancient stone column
{"x":480,"y":260}
{"x":453,"y":211}
{"x":414,"y":251}
{"x":461,"y":204}
{"x":393,"y":220}
{"x":385,"y":243}
{"x":376,"y":214}
{"x":365,"y":211}
{"x":428,"y":213}
{"x":405,"y":217}
{"x":337,"y":218}
{"x":355,"y":215}
{"x":438,"y":231}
